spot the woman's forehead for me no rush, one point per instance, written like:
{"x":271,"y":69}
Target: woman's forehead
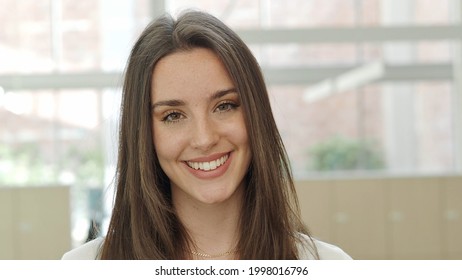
{"x":193,"y":72}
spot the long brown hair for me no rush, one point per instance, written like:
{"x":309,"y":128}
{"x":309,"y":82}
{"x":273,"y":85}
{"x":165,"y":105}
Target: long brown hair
{"x":143,"y":223}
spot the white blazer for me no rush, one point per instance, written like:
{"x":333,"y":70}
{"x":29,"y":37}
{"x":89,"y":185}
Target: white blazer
{"x":326,"y":251}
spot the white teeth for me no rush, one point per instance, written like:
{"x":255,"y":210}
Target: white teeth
{"x":207,"y":166}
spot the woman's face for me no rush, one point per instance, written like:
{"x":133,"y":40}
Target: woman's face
{"x":198,"y":127}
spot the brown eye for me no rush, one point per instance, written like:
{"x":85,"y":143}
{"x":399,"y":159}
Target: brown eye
{"x":172,"y":117}
{"x":225,"y":106}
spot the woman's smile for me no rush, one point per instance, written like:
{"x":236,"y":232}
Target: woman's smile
{"x":209,"y":169}
{"x":206,"y":164}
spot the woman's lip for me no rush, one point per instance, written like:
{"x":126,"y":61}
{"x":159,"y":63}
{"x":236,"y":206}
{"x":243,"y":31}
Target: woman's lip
{"x":211,"y":174}
{"x":208,"y":158}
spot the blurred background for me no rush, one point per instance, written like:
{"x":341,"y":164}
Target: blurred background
{"x":367,"y":95}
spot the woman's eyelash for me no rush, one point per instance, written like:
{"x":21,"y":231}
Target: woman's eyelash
{"x":226,"y":106}
{"x":171,"y":117}
{"x":222,"y":107}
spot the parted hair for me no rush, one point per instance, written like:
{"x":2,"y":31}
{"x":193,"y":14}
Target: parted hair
{"x":144,"y":224}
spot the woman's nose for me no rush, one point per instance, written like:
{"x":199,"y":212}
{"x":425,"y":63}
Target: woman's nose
{"x":204,"y":134}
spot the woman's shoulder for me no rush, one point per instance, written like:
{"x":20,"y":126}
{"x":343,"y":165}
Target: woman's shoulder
{"x":87,"y":251}
{"x":306,"y":248}
{"x":326,"y":251}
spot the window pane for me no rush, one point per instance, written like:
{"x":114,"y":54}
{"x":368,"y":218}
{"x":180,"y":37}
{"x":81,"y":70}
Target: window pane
{"x":24,"y":37}
{"x":54,"y":138}
{"x":392,"y":128}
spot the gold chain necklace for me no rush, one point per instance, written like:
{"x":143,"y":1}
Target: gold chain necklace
{"x":208,"y":256}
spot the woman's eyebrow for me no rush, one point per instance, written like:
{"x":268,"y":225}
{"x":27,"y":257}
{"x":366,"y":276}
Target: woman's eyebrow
{"x":221,"y":93}
{"x":169,"y":103}
{"x":176,"y":102}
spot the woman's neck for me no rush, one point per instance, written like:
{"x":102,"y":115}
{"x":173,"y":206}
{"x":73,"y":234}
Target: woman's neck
{"x":213,"y":228}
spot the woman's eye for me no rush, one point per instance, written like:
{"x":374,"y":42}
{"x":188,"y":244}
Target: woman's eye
{"x":224,"y":107}
{"x":172,"y":117}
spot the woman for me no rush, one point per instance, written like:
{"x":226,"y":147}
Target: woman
{"x":202,"y":171}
